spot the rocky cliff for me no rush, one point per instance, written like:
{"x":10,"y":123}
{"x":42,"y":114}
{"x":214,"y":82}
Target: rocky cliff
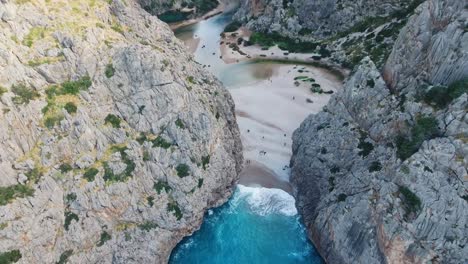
{"x":380,"y":175}
{"x":113,"y":140}
{"x":321,"y":18}
{"x":344,"y":31}
{"x":178,"y":10}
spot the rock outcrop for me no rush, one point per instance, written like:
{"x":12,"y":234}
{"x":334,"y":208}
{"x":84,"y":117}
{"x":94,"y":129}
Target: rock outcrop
{"x":113,"y":141}
{"x":178,"y":10}
{"x":380,"y":175}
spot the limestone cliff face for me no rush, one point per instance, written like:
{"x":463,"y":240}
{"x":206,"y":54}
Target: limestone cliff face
{"x":322,"y":18}
{"x":113,"y":140}
{"x":380,"y":175}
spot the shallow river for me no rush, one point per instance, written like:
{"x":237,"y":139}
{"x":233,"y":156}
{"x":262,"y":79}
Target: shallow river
{"x":260,"y":223}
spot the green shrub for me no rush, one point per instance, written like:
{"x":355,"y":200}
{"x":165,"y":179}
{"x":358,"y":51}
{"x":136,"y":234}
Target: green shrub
{"x":183,"y":170}
{"x":117,"y":27}
{"x":342,"y":197}
{"x":53,"y":120}
{"x":442,"y":96}
{"x":147,"y":226}
{"x":146,"y":155}
{"x":109,"y":70}
{"x":174,"y":208}
{"x":191,"y":79}
{"x":284,"y":43}
{"x":179,"y":123}
{"x":71,"y":197}
{"x":205,"y":161}
{"x":104,"y":238}
{"x":173,"y":16}
{"x":365,"y":147}
{"x":426,"y":128}
{"x":90,"y":174}
{"x":9,"y":193}
{"x":113,"y":120}
{"x":375,"y":166}
{"x":161,"y":185}
{"x":70,"y":216}
{"x":3,"y":90}
{"x":150,"y":200}
{"x":10,"y":256}
{"x":70,"y":107}
{"x":65,"y":256}
{"x":34,"y":175}
{"x":23,"y":94}
{"x":74,"y":87}
{"x":161,"y":143}
{"x":233,"y":26}
{"x":411,"y":202}
{"x":200,"y":183}
{"x":65,"y":167}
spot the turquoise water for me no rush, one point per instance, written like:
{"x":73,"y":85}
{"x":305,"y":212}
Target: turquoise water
{"x":257,"y":225}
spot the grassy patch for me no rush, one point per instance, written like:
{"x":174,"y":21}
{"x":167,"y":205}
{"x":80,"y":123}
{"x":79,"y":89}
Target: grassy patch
{"x":9,"y":193}
{"x":34,"y":34}
{"x":425,"y":128}
{"x":183,"y":170}
{"x":23,"y":94}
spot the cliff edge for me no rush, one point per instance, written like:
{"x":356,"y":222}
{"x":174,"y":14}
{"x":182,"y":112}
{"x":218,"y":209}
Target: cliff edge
{"x":114,"y":142}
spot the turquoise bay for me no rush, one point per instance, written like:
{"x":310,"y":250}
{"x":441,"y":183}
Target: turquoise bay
{"x":257,"y":225}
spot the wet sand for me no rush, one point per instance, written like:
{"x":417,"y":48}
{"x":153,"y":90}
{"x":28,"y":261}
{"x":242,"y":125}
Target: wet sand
{"x":255,"y":174}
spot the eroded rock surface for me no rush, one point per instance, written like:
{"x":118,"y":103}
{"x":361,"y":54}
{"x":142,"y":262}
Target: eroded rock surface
{"x":381,"y":173}
{"x":113,"y":140}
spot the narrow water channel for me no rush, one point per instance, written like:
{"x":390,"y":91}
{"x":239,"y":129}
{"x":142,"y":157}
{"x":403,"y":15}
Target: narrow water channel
{"x":260,"y":223}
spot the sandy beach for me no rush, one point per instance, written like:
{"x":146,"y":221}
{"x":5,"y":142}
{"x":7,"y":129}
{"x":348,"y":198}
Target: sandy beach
{"x":268,"y":111}
{"x":272,"y":99}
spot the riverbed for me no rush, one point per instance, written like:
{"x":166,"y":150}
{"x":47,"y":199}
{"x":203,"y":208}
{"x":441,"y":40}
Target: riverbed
{"x":260,"y":223}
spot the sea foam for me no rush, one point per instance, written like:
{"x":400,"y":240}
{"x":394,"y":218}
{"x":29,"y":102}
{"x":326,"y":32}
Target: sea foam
{"x":265,"y":201}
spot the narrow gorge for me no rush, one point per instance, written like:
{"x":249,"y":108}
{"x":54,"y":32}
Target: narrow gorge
{"x":246,"y":131}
